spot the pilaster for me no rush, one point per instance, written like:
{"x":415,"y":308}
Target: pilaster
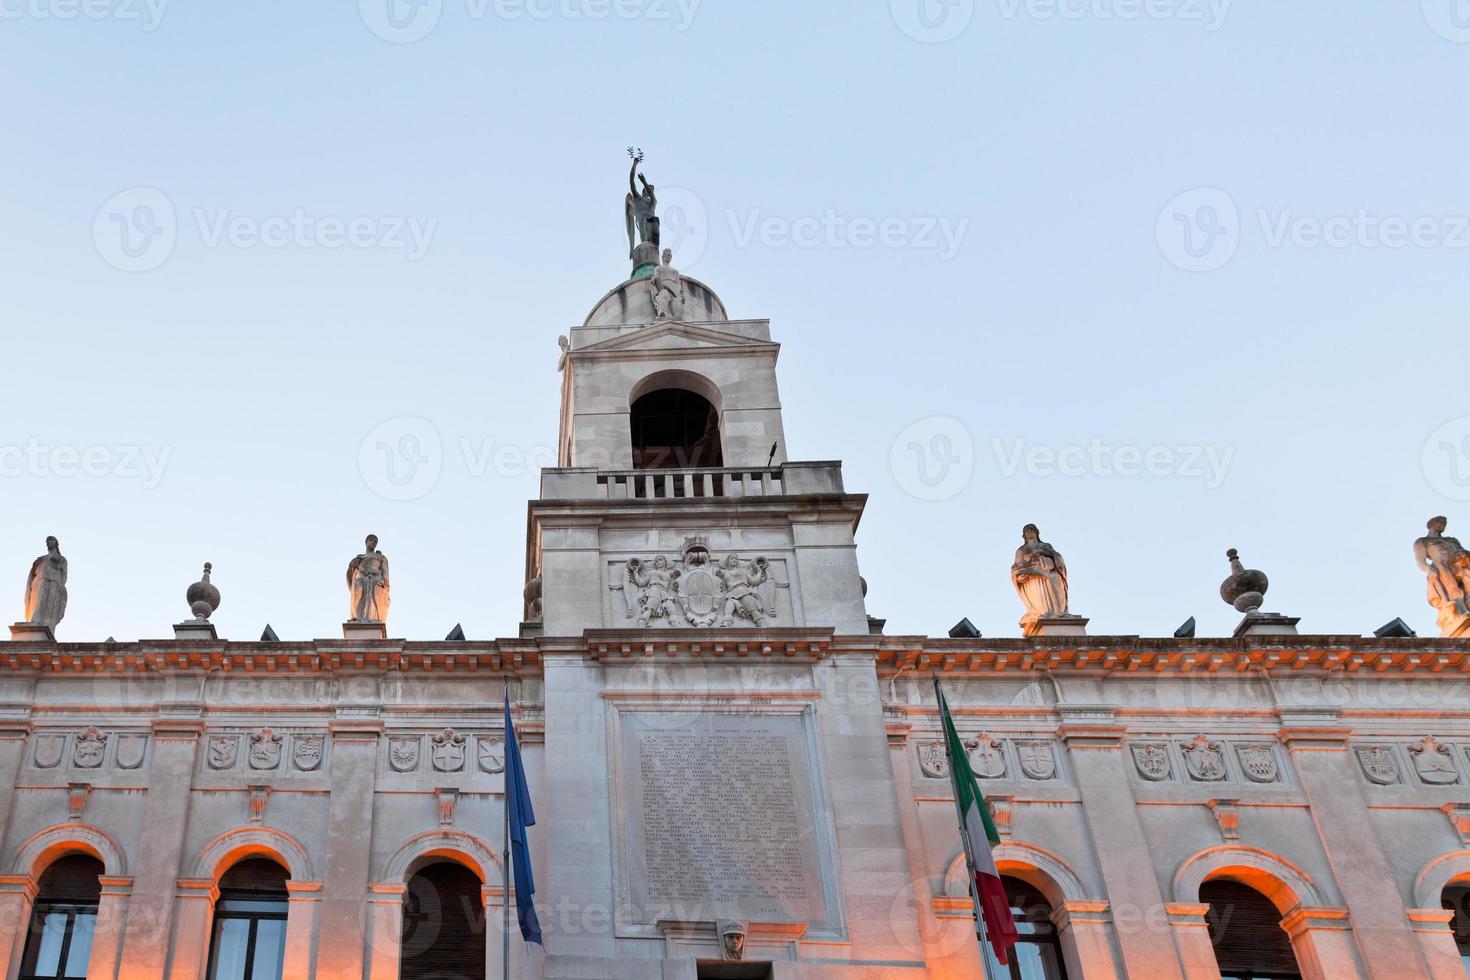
{"x":160,"y":843}
{"x":1318,"y":745}
{"x":107,"y":937}
{"x":354,"y":767}
{"x":304,"y":899}
{"x":1095,"y":741}
{"x":193,"y":922}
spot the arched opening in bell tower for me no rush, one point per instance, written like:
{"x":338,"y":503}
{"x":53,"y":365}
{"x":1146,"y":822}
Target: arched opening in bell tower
{"x":675,"y":428}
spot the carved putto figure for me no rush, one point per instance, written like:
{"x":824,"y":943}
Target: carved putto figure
{"x":656,"y":587}
{"x":46,"y":587}
{"x":1040,"y":577}
{"x":667,"y":286}
{"x":367,"y":582}
{"x":1446,"y":565}
{"x":742,"y":587}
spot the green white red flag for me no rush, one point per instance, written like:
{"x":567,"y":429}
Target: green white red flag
{"x":978,"y":832}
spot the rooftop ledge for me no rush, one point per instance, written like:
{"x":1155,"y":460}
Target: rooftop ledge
{"x":1112,"y":655}
{"x":783,"y":480}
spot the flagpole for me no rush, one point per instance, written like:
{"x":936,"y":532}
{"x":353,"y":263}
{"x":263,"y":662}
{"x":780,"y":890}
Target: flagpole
{"x":980,"y":935}
{"x":505,"y":868}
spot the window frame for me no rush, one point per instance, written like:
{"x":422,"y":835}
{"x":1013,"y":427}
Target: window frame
{"x":39,"y":913}
{"x":223,"y":914}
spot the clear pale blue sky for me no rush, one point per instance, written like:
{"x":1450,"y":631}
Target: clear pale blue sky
{"x":1064,"y":317}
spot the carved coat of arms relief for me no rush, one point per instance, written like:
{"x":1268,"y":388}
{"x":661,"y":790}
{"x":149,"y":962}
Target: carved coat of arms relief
{"x":1204,"y":759}
{"x":698,"y":591}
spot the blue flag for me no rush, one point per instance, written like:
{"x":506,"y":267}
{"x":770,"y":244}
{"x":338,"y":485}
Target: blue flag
{"x":518,"y":805}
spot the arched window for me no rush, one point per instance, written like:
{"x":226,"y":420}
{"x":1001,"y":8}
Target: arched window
{"x":675,"y":429}
{"x":443,"y":925}
{"x":1038,"y":953}
{"x":1456,"y":898}
{"x":1245,"y":929}
{"x":249,"y":941}
{"x":60,"y":939}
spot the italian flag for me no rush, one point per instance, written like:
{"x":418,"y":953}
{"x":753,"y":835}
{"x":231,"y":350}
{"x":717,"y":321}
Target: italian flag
{"x":978,"y":832}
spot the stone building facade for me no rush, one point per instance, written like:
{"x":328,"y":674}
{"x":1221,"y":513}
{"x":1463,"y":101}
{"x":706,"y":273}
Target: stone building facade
{"x":736,"y":772}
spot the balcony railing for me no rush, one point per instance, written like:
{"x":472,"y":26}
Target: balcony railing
{"x":674,"y":483}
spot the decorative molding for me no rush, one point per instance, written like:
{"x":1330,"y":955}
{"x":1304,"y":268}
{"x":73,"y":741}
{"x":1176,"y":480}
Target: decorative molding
{"x":1227,"y":815}
{"x":1434,"y":876}
{"x":41,"y":849}
{"x":448,"y":797}
{"x":216,"y":857}
{"x":475,"y":853}
{"x":1459,"y":817}
{"x":1048,"y":872}
{"x":1001,"y":811}
{"x":259,"y":796}
{"x":76,"y":800}
{"x":1272,"y":875}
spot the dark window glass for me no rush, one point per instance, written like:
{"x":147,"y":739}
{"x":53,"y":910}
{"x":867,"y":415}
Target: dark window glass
{"x":60,"y":936}
{"x":1038,"y":953}
{"x":1245,"y":929}
{"x":249,"y":941}
{"x":675,"y":429}
{"x":443,"y":925}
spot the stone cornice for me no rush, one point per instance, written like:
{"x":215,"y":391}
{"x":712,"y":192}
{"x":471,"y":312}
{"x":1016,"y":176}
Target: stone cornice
{"x":953,"y":659}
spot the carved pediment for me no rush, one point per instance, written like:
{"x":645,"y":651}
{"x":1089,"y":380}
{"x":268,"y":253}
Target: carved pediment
{"x":674,"y":335}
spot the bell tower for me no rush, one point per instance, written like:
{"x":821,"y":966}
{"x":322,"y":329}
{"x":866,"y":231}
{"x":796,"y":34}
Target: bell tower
{"x":675,"y":505}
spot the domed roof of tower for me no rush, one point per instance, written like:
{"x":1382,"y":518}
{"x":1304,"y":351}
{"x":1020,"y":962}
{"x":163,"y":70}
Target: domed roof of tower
{"x":632,"y":302}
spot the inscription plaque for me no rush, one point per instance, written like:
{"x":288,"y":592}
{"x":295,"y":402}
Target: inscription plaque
{"x":719,"y":819}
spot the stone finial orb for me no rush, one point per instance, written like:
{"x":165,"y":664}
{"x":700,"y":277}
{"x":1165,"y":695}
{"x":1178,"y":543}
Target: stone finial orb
{"x":203,"y":597}
{"x":1245,"y":589}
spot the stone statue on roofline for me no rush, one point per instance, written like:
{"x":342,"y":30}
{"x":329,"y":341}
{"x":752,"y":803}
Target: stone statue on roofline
{"x":45,"y":602}
{"x":1446,"y":566}
{"x":367,"y":584}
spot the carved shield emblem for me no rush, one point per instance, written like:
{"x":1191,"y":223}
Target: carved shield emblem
{"x":987,"y":758}
{"x":403,"y":754}
{"x":699,"y":593}
{"x":1204,"y":760}
{"x":1433,"y":762}
{"x":91,"y":747}
{"x":1378,"y":764}
{"x":1037,"y":760}
{"x":448,"y":752}
{"x":265,"y":750}
{"x":492,"y":755}
{"x":932,"y":760}
{"x":1258,"y":762}
{"x":222,"y":751}
{"x":48,"y":751}
{"x":131,"y":750}
{"x":1151,"y":759}
{"x":307,"y":753}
